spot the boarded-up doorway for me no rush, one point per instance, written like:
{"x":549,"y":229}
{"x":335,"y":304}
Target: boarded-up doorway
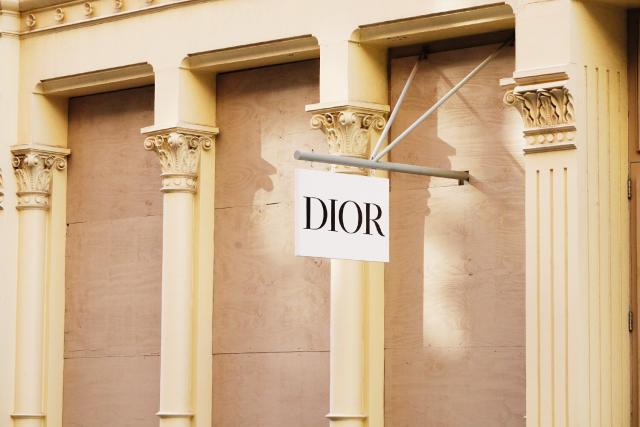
{"x":271,"y":309}
{"x":455,"y":286}
{"x":113,"y":264}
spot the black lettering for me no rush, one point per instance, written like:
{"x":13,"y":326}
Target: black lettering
{"x":374,"y":220}
{"x":341,"y":216}
{"x":324,"y":213}
{"x":333,"y":215}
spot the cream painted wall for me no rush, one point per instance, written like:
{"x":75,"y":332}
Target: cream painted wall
{"x":165,"y":37}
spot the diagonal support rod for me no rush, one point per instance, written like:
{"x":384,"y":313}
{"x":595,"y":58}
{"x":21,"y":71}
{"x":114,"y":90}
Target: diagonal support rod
{"x":396,"y":107}
{"x":441,"y":101}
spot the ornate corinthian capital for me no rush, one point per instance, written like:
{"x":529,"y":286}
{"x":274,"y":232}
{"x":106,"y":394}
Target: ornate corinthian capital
{"x":32,"y":165}
{"x":179,"y":151}
{"x":548,"y":117}
{"x":350,"y":129}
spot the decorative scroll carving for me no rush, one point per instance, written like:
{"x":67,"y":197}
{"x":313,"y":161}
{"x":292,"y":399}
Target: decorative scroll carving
{"x":59,"y":15}
{"x":548,"y":117}
{"x":88,"y":9}
{"x":179,"y":155}
{"x":30,"y":21}
{"x":32,"y":168}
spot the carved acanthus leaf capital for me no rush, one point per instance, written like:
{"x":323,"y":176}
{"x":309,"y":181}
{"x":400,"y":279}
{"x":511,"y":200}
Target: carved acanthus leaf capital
{"x":548,"y":116}
{"x":350,"y":129}
{"x":179,"y":153}
{"x":349,"y":132}
{"x":32,"y":166}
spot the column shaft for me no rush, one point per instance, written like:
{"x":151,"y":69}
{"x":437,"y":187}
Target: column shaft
{"x":347,"y":357}
{"x":177,"y":316}
{"x":29,"y":346}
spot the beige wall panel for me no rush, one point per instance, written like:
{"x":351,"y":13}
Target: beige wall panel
{"x":455,"y":318}
{"x":104,"y":136}
{"x":262,"y":122}
{"x":454,"y":387}
{"x":113,"y":267}
{"x":111,"y":391}
{"x":271,"y":390}
{"x":271,"y":309}
{"x":113,"y":298}
{"x":265,"y":299}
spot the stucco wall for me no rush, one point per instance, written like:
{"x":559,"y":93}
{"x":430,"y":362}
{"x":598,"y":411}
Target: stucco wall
{"x":271,"y":309}
{"x":113,"y":267}
{"x":455,"y":286}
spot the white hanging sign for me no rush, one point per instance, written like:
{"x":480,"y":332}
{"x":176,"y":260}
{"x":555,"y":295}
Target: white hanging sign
{"x":341,"y":216}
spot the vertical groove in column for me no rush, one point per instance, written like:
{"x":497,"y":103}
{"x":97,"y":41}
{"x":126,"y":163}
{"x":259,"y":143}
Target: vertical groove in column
{"x":610,"y":207}
{"x":539,"y":412}
{"x":622,"y":176}
{"x":565,"y":248}
{"x":588,"y":152}
{"x":552,"y":319}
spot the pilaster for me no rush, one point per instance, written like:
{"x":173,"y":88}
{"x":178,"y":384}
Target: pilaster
{"x":33,"y":166}
{"x":571,"y":94}
{"x":9,"y":83}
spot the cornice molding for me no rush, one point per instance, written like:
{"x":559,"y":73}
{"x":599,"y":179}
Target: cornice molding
{"x":438,"y":26}
{"x":76,"y":13}
{"x":96,"y":81}
{"x":32,"y":165}
{"x":255,"y":55}
{"x":179,"y":149}
{"x":548,"y":116}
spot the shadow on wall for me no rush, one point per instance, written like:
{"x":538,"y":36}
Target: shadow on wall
{"x":455,"y":284}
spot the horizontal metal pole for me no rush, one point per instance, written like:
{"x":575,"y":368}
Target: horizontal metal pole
{"x":460,"y":176}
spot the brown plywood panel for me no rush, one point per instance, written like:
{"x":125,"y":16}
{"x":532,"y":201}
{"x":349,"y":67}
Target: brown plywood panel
{"x":113,"y":263}
{"x":454,"y":291}
{"x":262,"y":120}
{"x":266,"y":299}
{"x":111,"y":391}
{"x":113,"y":287}
{"x":110,"y":174}
{"x":271,"y":309}
{"x":457,"y":386}
{"x":270,"y":390}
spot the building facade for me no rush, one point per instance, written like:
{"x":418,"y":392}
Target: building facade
{"x":147,"y":274}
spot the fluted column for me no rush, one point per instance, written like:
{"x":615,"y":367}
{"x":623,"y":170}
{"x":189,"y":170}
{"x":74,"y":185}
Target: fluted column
{"x":349,"y":131}
{"x":572,"y":101}
{"x":33,"y":167}
{"x":179,"y":151}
